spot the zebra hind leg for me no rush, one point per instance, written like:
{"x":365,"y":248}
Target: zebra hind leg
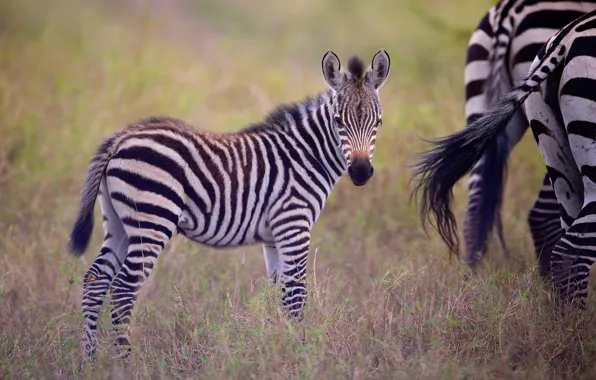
{"x":101,"y":273}
{"x":573,"y":257}
{"x":563,"y":164}
{"x":474,"y":254}
{"x":485,"y":194}
{"x":145,"y":243}
{"x":545,"y":225}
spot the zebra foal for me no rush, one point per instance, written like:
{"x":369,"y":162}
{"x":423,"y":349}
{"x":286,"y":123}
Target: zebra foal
{"x":265,"y":184}
{"x":558,"y":94}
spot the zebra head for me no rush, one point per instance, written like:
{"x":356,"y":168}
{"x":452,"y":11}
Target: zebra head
{"x":357,"y":109}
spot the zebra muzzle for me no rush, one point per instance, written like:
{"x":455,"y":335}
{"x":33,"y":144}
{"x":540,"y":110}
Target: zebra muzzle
{"x":360,"y":170}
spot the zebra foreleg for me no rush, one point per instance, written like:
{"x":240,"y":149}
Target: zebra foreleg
{"x":292,"y":244}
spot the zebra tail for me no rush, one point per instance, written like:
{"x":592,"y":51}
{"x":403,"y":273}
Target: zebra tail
{"x":83,"y":225}
{"x":453,"y":156}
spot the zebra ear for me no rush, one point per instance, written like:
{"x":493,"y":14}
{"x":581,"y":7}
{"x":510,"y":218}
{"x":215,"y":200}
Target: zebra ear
{"x":379,"y":69}
{"x":332,"y":72}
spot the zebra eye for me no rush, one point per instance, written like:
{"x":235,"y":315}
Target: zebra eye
{"x":379,"y":122}
{"x":337,"y":120}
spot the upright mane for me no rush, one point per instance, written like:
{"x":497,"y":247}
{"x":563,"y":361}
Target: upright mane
{"x":356,"y":67}
{"x":278,"y":117}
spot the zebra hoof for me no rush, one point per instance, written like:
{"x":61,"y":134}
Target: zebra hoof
{"x":87,"y":362}
{"x":122,"y":352}
{"x":566,"y":297}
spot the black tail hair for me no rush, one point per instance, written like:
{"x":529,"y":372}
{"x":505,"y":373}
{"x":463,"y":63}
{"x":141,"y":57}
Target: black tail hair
{"x":83,"y":226}
{"x":453,"y":156}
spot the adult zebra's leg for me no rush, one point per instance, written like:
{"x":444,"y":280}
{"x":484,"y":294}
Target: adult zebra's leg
{"x":575,"y":254}
{"x":292,"y":239}
{"x":476,"y":75}
{"x":103,"y":270}
{"x":545,"y":225}
{"x":573,"y":257}
{"x":565,"y":178}
{"x":486,"y":78}
{"x":486,"y":187}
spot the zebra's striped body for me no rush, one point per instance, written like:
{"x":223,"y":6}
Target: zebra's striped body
{"x":265,"y":184}
{"x":558,"y":95}
{"x":500,"y":52}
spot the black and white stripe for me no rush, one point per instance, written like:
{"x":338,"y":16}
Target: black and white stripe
{"x":500,"y":52}
{"x":558,"y":96}
{"x":265,"y":184}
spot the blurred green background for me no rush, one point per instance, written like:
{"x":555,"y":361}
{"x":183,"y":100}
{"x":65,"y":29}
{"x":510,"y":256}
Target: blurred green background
{"x":386,"y":302}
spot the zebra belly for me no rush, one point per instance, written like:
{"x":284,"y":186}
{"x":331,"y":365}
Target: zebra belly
{"x":209,"y":231}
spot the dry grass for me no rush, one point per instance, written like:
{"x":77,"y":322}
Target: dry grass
{"x":385,"y":301}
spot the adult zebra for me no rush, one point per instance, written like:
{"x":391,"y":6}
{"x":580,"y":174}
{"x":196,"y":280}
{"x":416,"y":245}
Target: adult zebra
{"x":500,"y":52}
{"x":558,"y":94}
{"x":265,"y":184}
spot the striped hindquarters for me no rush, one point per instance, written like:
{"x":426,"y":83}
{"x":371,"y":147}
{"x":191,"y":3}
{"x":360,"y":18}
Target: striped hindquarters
{"x":214,"y":190}
{"x":576,"y":252}
{"x":500,"y":53}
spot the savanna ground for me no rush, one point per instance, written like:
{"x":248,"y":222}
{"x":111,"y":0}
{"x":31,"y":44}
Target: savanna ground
{"x":385,"y":300}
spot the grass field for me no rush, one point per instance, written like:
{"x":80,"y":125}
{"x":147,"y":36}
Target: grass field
{"x":385,"y":300}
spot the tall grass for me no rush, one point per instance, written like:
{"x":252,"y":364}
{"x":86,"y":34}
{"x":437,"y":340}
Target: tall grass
{"x":385,"y":301}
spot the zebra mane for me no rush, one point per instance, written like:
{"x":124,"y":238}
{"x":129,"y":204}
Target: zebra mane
{"x":278,"y":117}
{"x":356,"y":67}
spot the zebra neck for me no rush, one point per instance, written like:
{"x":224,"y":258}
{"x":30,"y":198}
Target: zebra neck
{"x":319,"y":137}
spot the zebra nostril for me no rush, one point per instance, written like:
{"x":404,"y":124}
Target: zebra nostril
{"x":371,"y":171}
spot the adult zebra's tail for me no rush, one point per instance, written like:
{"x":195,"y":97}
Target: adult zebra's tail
{"x":453,"y":156}
{"x":83,"y":226}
